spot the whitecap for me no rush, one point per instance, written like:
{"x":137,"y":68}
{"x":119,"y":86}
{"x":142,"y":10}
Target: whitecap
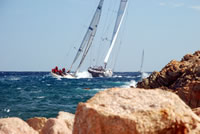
{"x":117,"y":76}
{"x":132,"y":83}
{"x":118,"y":82}
{"x":48,"y":84}
{"x":40,"y":97}
{"x":14,"y":78}
{"x":84,"y":74}
{"x":6,"y":110}
{"x":144,"y":75}
{"x":97,"y":89}
{"x":132,"y":76}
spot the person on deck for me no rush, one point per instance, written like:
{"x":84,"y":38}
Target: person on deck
{"x":56,"y":68}
{"x":63,"y":70}
{"x":60,"y":72}
{"x":53,"y":70}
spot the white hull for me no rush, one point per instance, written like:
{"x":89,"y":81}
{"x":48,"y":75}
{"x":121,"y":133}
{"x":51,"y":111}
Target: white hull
{"x":67,"y":75}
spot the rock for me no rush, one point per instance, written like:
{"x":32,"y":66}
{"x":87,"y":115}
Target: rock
{"x":166,"y":77}
{"x":37,"y":123}
{"x":135,"y":111}
{"x":68,"y":119}
{"x":196,"y":111}
{"x":63,"y":124}
{"x":182,"y":77}
{"x":15,"y":126}
{"x":55,"y":126}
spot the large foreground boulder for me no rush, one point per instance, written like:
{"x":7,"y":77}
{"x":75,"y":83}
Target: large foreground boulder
{"x":15,"y":126}
{"x":182,"y":77}
{"x":135,"y":111}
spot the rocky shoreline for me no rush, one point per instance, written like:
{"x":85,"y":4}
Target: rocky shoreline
{"x":181,"y":77}
{"x":167,"y":102}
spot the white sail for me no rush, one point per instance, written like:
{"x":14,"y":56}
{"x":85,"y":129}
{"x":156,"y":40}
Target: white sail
{"x":120,"y":16}
{"x":91,"y":32}
{"x":88,"y":38}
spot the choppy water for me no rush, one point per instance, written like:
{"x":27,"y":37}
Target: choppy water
{"x":38,"y":94}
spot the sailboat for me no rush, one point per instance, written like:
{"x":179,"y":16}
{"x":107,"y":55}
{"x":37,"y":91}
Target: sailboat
{"x":84,"y":47}
{"x":141,"y":73}
{"x":100,"y":71}
{"x":142,"y":61}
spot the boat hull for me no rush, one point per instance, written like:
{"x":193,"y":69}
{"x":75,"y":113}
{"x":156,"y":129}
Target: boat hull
{"x":67,"y":75}
{"x":96,"y":72}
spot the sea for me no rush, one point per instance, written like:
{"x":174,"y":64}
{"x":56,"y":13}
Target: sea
{"x":39,"y":94}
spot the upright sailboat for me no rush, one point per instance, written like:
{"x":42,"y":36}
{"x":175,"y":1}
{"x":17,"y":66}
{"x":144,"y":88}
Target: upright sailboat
{"x":142,"y":62}
{"x":101,"y":71}
{"x":85,"y":44}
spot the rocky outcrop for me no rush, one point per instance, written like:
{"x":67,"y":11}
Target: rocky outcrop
{"x":15,"y":126}
{"x":135,"y":111}
{"x":182,"y":77}
{"x":68,"y":119}
{"x":55,"y":126}
{"x":63,"y":124}
{"x":37,"y":123}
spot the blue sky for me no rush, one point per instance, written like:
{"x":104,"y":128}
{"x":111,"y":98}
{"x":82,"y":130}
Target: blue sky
{"x":37,"y":35}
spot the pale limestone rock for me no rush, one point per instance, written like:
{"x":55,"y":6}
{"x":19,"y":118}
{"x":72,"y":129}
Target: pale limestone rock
{"x":68,"y":118}
{"x":37,"y":123}
{"x":55,"y":126}
{"x":135,"y":111}
{"x":15,"y":126}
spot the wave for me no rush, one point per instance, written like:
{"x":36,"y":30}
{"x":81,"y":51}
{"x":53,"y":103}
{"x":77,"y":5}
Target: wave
{"x":132,"y":83}
{"x":84,"y":74}
{"x":96,"y":89}
{"x":145,"y":75}
{"x":40,"y":97}
{"x":13,"y":78}
{"x":117,"y":76}
{"x":6,"y":110}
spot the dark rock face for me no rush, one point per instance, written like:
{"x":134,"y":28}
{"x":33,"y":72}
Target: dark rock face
{"x":182,"y":77}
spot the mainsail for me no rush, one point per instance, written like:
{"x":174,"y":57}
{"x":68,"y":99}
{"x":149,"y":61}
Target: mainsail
{"x":89,"y":36}
{"x":120,"y":16}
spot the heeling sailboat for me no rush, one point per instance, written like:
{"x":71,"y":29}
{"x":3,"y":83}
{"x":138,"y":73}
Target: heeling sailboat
{"x":85,"y":44}
{"x":101,"y":71}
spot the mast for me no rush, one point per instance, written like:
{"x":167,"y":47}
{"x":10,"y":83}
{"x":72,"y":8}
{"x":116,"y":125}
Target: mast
{"x":120,"y":16}
{"x":89,"y":37}
{"x":142,"y":61}
{"x":87,"y":40}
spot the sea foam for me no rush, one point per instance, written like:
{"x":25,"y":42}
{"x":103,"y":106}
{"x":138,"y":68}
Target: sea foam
{"x":83,"y":74}
{"x":132,"y":83}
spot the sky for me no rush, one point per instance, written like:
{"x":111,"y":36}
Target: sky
{"x":37,"y":35}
